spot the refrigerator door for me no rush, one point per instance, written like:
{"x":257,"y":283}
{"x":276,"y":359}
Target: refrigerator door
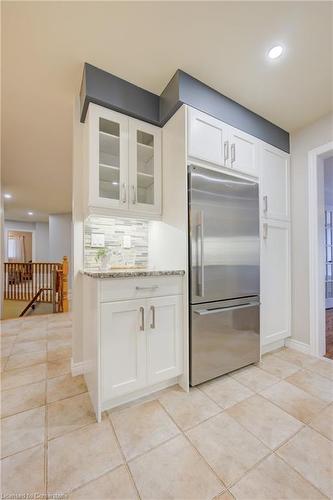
{"x":224,"y":337}
{"x":224,"y":236}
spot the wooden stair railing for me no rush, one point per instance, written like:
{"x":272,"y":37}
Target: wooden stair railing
{"x":33,"y":300}
{"x":37,"y":282}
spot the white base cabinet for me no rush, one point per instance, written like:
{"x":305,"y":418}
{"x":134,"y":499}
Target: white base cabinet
{"x":164,"y":338}
{"x":132,"y":346}
{"x":275,"y":282}
{"x":123,"y":348}
{"x":141,"y":344}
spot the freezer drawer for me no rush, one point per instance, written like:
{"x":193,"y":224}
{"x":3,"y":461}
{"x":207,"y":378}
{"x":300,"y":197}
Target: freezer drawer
{"x":224,"y":337}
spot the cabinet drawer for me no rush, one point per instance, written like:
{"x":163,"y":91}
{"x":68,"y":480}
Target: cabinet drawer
{"x":140,"y":287}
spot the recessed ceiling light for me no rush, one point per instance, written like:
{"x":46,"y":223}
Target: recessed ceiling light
{"x":275,"y":52}
{"x":114,"y":183}
{"x":30,"y":213}
{"x":7,"y":195}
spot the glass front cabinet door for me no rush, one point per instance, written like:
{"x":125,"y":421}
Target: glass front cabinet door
{"x":108,"y":180}
{"x":125,"y":163}
{"x":145,"y":167}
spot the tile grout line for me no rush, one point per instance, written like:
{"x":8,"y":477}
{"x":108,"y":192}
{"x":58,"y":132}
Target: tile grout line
{"x":191,"y":444}
{"x":123,"y":455}
{"x":301,"y":475}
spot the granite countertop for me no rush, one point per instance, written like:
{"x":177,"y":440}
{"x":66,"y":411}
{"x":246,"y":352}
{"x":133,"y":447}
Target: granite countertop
{"x":133,"y":273}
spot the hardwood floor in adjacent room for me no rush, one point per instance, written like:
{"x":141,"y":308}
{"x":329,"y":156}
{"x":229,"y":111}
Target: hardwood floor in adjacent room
{"x":329,"y":333}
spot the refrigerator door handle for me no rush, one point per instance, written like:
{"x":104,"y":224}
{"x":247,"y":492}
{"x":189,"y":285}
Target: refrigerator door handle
{"x":201,"y":275}
{"x":204,"y":312}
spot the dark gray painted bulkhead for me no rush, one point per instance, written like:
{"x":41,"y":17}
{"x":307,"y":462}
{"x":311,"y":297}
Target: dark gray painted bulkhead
{"x":109,"y":91}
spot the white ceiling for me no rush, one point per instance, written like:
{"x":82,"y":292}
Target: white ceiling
{"x":224,"y":44}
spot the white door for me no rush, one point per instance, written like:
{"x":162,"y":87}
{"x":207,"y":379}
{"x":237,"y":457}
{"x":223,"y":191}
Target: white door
{"x":145,"y":167}
{"x":207,"y":138}
{"x":123,"y":347}
{"x":108,"y":158}
{"x":275,"y":183}
{"x":244,"y":152}
{"x":164,"y":338}
{"x":275,"y":281}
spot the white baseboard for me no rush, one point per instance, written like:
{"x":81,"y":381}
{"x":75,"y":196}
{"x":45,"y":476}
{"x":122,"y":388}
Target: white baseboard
{"x":77,"y":368}
{"x":272,"y":346}
{"x":298,"y":346}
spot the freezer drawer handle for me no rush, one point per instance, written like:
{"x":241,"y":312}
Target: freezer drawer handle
{"x":151,"y":287}
{"x":204,"y":312}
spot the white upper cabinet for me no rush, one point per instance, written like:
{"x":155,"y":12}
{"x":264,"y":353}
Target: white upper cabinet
{"x":216,"y":142}
{"x":206,"y":138}
{"x":243,"y":152}
{"x":124,"y":163}
{"x":108,"y":158}
{"x":275,"y":183}
{"x":145,"y":167}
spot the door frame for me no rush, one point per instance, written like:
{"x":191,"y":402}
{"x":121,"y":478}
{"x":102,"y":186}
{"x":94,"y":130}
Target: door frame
{"x":316,"y":159}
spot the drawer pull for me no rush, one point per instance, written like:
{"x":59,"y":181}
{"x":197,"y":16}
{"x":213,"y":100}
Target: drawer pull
{"x":152,"y":287}
{"x":142,"y":311}
{"x":152,"y":324}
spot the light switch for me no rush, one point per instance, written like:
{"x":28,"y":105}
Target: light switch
{"x":97,"y":240}
{"x":127,"y":241}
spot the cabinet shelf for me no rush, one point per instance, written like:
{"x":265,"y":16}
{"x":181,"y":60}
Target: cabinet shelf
{"x":105,"y":165}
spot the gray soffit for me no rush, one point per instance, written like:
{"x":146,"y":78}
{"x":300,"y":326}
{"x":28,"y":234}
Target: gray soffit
{"x":109,"y":91}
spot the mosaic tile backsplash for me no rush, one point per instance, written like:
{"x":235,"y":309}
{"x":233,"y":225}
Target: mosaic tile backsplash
{"x":114,"y":230}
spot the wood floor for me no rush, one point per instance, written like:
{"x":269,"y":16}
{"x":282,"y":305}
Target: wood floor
{"x":329,"y":333}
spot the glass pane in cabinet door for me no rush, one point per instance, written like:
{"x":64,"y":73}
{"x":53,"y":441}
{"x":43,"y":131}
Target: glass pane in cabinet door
{"x":109,"y":159}
{"x":145,"y":167}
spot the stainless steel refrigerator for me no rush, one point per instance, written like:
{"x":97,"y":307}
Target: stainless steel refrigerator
{"x":224,"y":251}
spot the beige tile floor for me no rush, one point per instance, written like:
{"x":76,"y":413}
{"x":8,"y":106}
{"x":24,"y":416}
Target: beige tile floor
{"x":264,"y":432}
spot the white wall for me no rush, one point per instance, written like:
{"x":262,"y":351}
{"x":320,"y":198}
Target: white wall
{"x":303,"y":141}
{"x":42,"y":241}
{"x":60,"y":235}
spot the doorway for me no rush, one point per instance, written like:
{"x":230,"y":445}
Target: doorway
{"x":328,"y":198}
{"x":19,"y":246}
{"x":321,"y":250}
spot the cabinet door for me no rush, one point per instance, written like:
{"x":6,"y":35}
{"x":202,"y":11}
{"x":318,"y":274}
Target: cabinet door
{"x":108,"y":180}
{"x":145,"y":167}
{"x":275,"y":183}
{"x":206,"y":138}
{"x":164,"y":338}
{"x":123,"y":348}
{"x":244,"y":152}
{"x":275,"y":281}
